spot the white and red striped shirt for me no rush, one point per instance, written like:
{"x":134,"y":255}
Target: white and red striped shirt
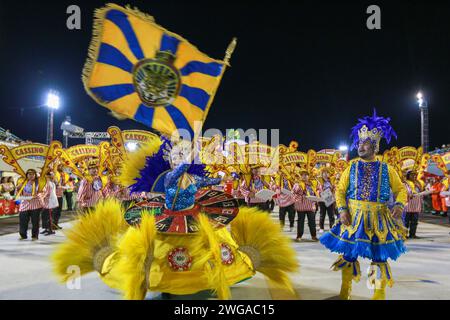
{"x":414,"y":204}
{"x":301,"y":192}
{"x":254,"y":187}
{"x":48,"y":196}
{"x":33,"y":204}
{"x":87,"y":195}
{"x":110,"y":190}
{"x":283,"y":199}
{"x":126,"y":195}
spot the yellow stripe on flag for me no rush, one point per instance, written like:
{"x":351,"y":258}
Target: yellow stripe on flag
{"x":113,"y":36}
{"x":187,"y":53}
{"x":162,"y":120}
{"x":202,"y":81}
{"x":107,"y":75}
{"x":126,"y":105}
{"x":191,"y":113}
{"x":148,"y":35}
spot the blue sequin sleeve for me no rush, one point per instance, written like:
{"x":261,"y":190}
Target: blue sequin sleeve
{"x":201,"y":182}
{"x":175,"y":174}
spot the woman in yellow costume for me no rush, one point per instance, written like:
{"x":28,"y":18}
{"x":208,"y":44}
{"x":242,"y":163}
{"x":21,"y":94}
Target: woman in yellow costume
{"x":176,"y":242}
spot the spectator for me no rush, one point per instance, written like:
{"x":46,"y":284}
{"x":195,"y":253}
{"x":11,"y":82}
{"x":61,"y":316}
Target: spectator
{"x":12,"y":186}
{"x":68,"y":193}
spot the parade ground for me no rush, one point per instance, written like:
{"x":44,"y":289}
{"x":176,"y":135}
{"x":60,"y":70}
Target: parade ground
{"x":25,"y":272}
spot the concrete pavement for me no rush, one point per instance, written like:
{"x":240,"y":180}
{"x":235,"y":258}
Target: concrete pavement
{"x":423,"y":273}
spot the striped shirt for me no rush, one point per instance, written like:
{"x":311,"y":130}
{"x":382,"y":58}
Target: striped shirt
{"x":87,"y":195}
{"x":126,"y":195}
{"x":301,"y":191}
{"x":414,"y":203}
{"x":33,"y":204}
{"x":48,"y":196}
{"x":110,"y":190}
{"x":283,"y":199}
{"x":255,"y":186}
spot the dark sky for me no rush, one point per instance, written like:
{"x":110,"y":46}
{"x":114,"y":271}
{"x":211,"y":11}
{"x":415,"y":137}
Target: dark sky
{"x":309,"y":68}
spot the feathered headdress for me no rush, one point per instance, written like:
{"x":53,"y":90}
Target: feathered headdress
{"x":372,"y":128}
{"x":157,"y":166}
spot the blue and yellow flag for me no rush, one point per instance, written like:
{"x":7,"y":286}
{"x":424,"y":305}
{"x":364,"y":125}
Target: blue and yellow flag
{"x":141,"y":71}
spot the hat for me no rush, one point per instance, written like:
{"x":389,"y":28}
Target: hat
{"x":372,"y":128}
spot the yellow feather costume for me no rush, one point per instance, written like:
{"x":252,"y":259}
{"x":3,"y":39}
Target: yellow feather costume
{"x":137,"y":259}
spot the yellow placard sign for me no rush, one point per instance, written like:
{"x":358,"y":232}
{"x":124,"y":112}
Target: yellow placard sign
{"x":407,"y":153}
{"x":32,"y":149}
{"x":82,"y":151}
{"x":324,"y":158}
{"x":294,"y":158}
{"x":138,"y":136}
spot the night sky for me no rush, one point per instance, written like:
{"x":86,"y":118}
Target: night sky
{"x":306,"y":68}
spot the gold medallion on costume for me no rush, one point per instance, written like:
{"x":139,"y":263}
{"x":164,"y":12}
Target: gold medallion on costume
{"x":157,"y":81}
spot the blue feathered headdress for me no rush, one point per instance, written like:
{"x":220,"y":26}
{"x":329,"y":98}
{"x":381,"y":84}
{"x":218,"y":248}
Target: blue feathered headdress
{"x":155,"y":170}
{"x":373,"y":128}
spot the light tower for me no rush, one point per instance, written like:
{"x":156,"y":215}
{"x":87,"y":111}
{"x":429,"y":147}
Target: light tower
{"x":423,"y":106}
{"x":52,"y":104}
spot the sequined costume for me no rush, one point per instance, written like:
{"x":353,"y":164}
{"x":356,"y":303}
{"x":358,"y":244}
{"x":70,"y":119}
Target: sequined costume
{"x":364,"y":191}
{"x":177,"y":241}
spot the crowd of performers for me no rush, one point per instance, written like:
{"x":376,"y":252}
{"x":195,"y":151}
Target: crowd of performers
{"x":161,"y":224}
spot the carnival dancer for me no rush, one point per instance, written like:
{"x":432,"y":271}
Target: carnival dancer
{"x":438,"y":202}
{"x":445,"y":194}
{"x":61,"y":178}
{"x":286,"y":202}
{"x":366,"y":227}
{"x":304,"y":206}
{"x":414,"y":206}
{"x":49,"y":201}
{"x":30,"y":205}
{"x":181,"y":234}
{"x":250,"y":190}
{"x":328,"y":209}
{"x":111,"y":188}
{"x":90,"y":190}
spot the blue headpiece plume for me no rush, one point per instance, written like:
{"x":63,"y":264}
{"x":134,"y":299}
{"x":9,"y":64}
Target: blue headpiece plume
{"x":373,"y":128}
{"x":157,"y":166}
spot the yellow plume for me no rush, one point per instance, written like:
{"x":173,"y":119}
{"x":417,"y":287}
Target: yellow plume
{"x":137,"y":254}
{"x":216,"y":272}
{"x":136,"y":162}
{"x":262,"y":240}
{"x":91,"y":240}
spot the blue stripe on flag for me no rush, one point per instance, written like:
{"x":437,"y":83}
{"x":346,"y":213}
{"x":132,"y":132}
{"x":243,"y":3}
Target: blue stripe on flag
{"x":144,"y":115}
{"x":121,"y":20}
{"x":114,"y":92}
{"x":169,"y":43}
{"x":110,"y":55}
{"x":196,"y":96}
{"x":212,"y":69}
{"x":180,"y":120}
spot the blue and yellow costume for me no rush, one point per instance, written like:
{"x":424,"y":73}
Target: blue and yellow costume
{"x":364,"y":190}
{"x":175,"y":242}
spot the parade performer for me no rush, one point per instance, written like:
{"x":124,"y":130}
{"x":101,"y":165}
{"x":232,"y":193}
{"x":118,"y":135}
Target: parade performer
{"x":49,"y":201}
{"x":305,"y":207}
{"x":90,"y":190}
{"x":286,"y":202}
{"x":366,"y":227}
{"x":181,"y":234}
{"x":250,"y":190}
{"x":414,"y":206}
{"x":62,"y":180}
{"x":325,"y":184}
{"x":177,"y":242}
{"x":438,"y":202}
{"x":30,"y":205}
